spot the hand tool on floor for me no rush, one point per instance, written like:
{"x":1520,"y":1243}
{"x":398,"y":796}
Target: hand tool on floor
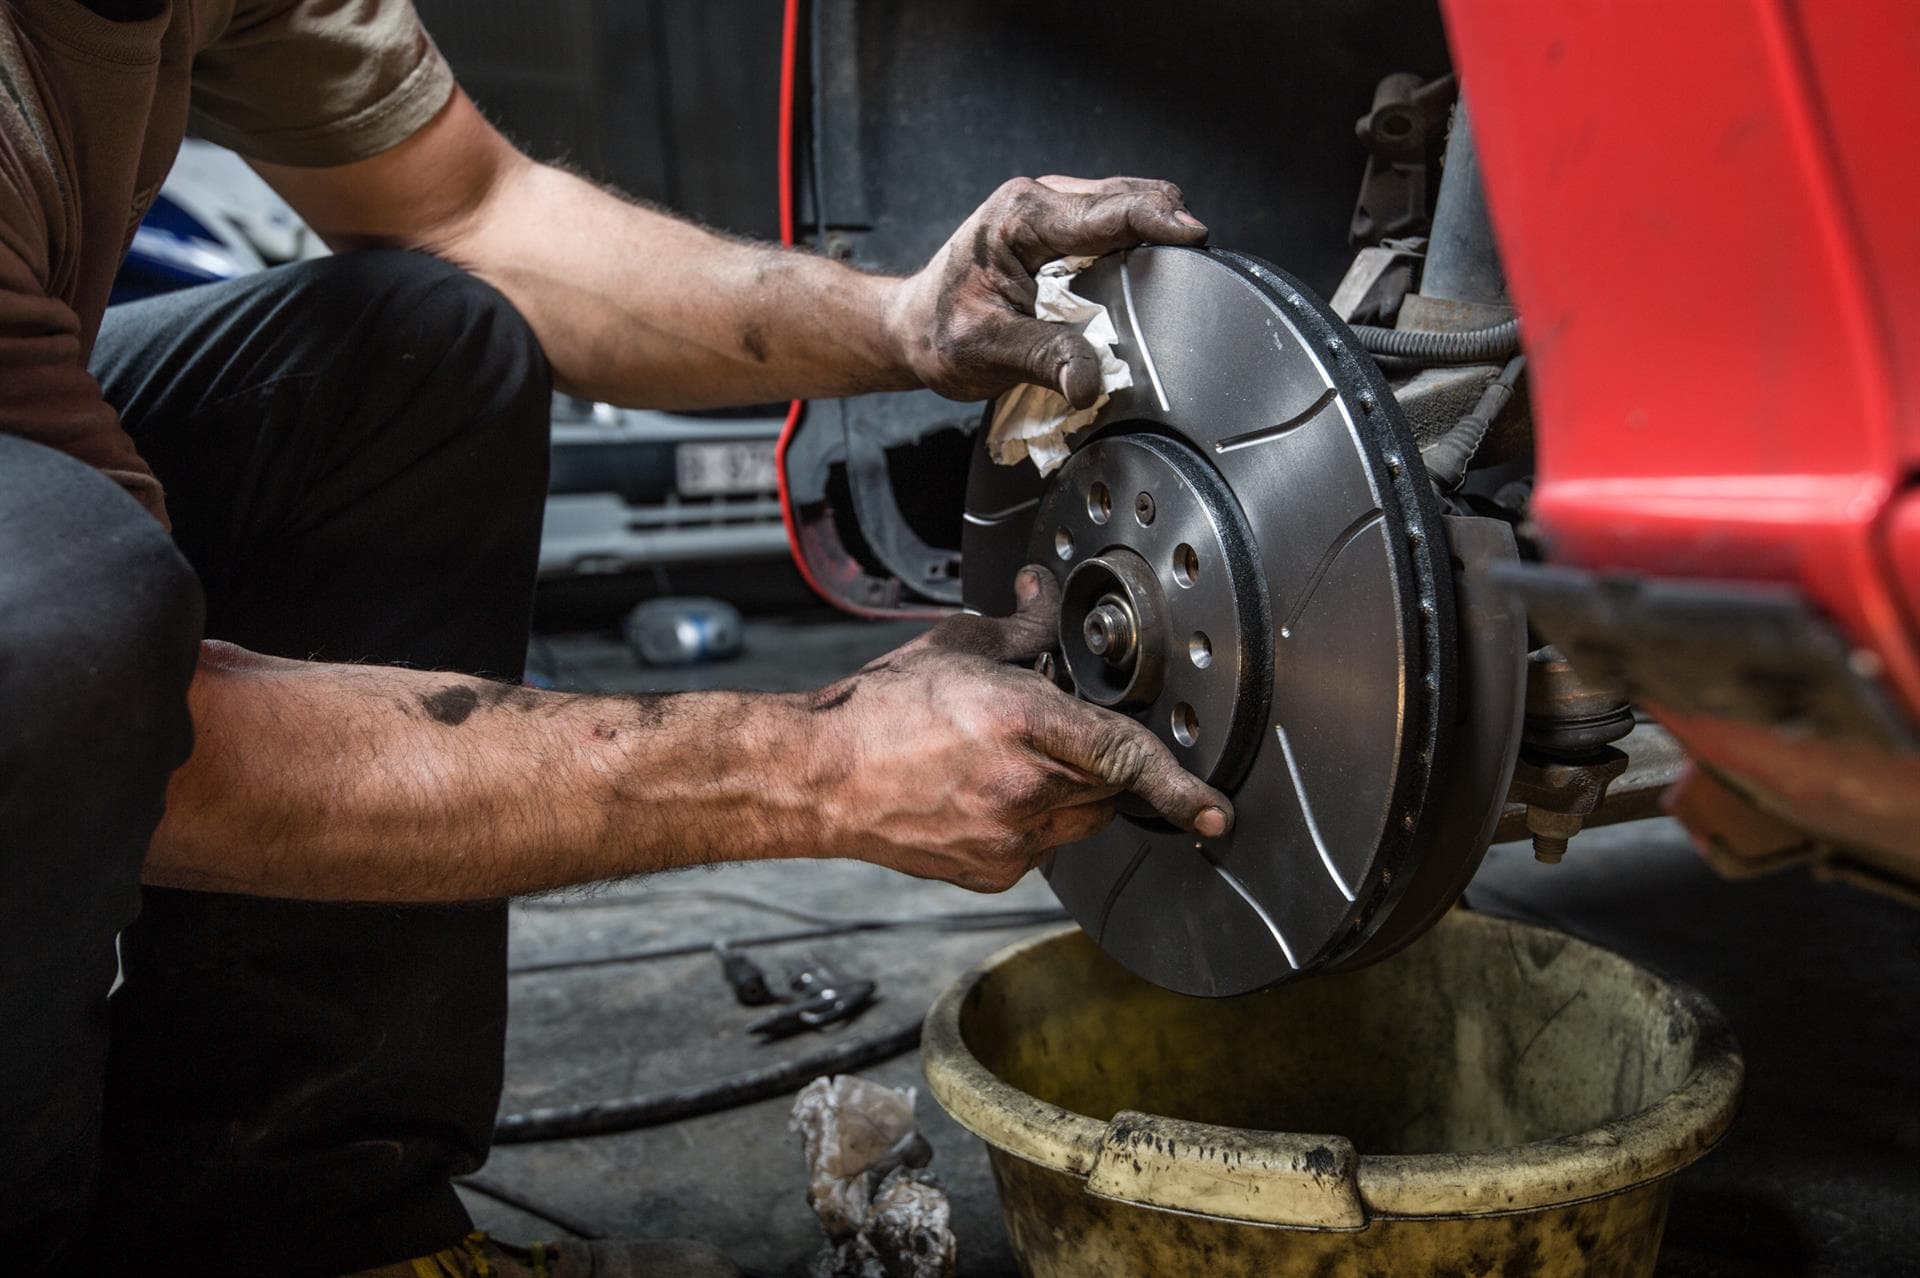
{"x":821,"y":997}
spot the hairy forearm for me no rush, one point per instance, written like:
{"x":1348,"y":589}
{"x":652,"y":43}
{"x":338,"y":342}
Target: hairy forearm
{"x":636,"y":307}
{"x":631,"y":304}
{"x":368,"y":783}
{"x":639,"y":308}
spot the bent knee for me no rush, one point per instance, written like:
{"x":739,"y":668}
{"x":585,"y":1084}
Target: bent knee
{"x":430,"y":306}
{"x":455,"y":330}
{"x":100,"y":615}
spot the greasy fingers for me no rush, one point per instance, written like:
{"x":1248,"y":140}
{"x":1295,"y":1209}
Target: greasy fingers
{"x":1019,"y":639}
{"x":1021,"y":349}
{"x":1106,"y":185}
{"x":1050,"y":220}
{"x":1126,"y":756}
{"x":965,"y":324}
{"x":945,"y":759}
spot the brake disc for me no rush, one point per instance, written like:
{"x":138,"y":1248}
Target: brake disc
{"x":1253,"y":563}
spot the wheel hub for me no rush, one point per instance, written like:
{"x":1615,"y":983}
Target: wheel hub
{"x":1252,"y":564}
{"x":1153,"y":618}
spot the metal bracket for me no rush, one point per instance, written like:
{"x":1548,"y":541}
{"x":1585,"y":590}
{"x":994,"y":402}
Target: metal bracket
{"x":1560,"y":794}
{"x":929,"y":570}
{"x":1403,"y":134}
{"x":1378,"y":281}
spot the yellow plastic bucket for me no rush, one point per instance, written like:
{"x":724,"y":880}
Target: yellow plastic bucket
{"x":1497,"y":1099}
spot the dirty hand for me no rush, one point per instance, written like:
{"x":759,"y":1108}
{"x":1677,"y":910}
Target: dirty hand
{"x":965,"y":323}
{"x":953,"y":759}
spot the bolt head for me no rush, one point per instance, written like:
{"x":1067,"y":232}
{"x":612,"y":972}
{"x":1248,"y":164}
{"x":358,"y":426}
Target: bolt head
{"x":1551,"y":832}
{"x":1143,"y":508}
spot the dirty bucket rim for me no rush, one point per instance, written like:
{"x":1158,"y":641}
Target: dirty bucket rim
{"x":1610,"y":1158}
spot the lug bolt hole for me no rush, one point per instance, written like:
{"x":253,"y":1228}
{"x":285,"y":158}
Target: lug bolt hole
{"x":1099,"y":503}
{"x":1200,"y":648}
{"x":1186,"y":565}
{"x":1186,"y":724}
{"x":1063,"y":544}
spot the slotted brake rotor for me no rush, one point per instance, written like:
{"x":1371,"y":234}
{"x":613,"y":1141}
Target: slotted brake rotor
{"x":1253,"y":564}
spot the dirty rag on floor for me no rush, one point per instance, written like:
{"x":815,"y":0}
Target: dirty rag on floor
{"x":884,"y":1216}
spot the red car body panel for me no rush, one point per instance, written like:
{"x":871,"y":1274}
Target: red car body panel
{"x":1706,"y":213}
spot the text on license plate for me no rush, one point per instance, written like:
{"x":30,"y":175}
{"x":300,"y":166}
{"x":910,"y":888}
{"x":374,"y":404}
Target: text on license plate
{"x":709,"y":470}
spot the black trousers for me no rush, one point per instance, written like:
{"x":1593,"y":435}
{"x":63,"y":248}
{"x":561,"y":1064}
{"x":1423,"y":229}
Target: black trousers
{"x":354,"y":452}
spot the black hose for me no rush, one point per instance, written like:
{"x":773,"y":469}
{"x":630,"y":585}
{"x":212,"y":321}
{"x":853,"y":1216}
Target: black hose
{"x":980,"y":921}
{"x":1469,"y":346}
{"x":629,"y":1113}
{"x":1447,"y":457}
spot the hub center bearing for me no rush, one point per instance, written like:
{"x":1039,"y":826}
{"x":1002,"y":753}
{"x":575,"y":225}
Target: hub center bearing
{"x":1110,"y":631}
{"x":1112,"y":623}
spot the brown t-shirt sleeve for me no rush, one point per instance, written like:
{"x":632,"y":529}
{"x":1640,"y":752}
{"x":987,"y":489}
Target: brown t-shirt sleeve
{"x":46,"y":393}
{"x":318,"y":82}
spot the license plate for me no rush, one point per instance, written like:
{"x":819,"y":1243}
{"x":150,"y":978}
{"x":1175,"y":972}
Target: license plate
{"x":717,"y":470}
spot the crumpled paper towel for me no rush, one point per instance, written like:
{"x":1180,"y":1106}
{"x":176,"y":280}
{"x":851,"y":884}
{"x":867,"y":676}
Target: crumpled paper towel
{"x":883,"y":1217}
{"x":1035,"y":421}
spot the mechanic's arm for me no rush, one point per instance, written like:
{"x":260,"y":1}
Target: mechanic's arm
{"x":948,"y":758}
{"x":639,"y":308}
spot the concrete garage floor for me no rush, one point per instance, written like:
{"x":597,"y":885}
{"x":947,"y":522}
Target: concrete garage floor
{"x":1821,"y":982}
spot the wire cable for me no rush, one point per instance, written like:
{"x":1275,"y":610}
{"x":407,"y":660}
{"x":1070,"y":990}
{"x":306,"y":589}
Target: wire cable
{"x":631,"y":1113}
{"x":1468,"y":346}
{"x":1448,"y":457}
